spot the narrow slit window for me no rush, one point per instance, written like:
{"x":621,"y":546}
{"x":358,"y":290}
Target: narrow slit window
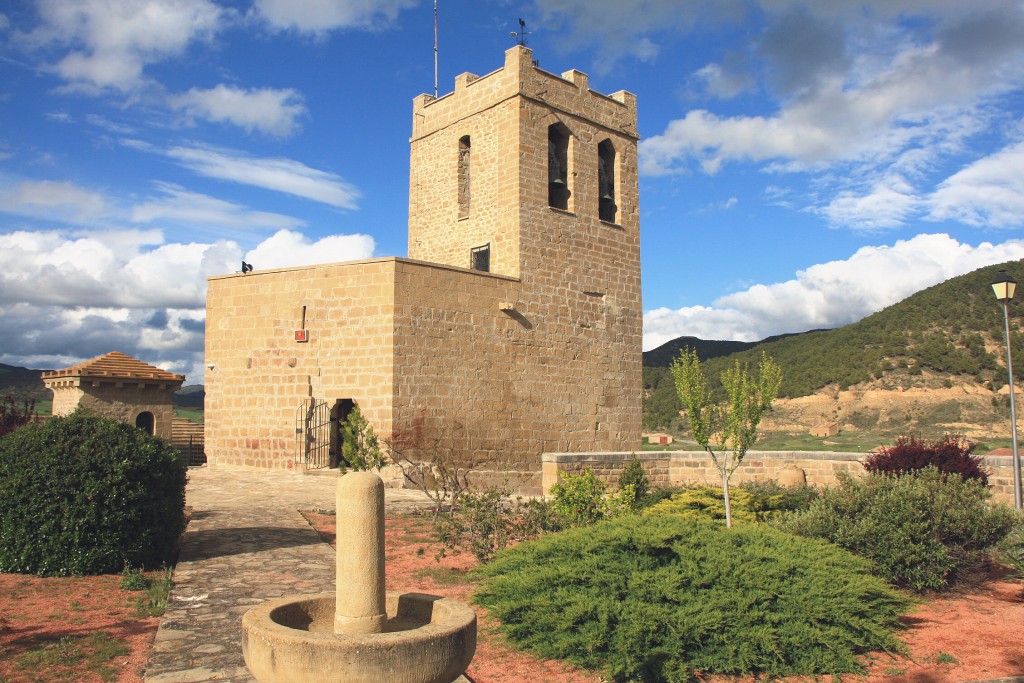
{"x":558,"y":166}
{"x":465,"y":154}
{"x":480,"y":258}
{"x":607,"y":208}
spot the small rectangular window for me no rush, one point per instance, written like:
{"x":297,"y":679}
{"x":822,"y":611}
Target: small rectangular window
{"x":480,"y":258}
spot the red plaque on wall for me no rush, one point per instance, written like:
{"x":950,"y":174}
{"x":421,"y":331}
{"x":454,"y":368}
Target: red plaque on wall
{"x":302,"y":335}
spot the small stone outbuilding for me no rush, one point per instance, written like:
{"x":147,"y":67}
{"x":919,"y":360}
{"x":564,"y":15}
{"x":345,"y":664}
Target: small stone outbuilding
{"x":825,"y":429}
{"x":119,"y":387}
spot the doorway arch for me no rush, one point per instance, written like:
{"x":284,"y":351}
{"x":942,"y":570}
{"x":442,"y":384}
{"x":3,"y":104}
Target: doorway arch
{"x":145,"y":422}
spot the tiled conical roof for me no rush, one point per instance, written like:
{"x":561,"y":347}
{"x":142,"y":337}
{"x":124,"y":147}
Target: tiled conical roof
{"x":115,"y":365}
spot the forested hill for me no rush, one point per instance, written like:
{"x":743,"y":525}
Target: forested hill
{"x":22,"y":383}
{"x":663,"y":356}
{"x":954,"y":328}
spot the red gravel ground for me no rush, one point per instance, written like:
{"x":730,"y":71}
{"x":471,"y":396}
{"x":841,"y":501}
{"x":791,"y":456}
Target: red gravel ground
{"x":46,"y":625}
{"x":966,"y":636}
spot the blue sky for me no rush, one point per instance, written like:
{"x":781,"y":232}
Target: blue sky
{"x":803,"y":164}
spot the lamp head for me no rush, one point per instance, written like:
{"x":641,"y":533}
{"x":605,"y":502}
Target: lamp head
{"x":1004,"y":286}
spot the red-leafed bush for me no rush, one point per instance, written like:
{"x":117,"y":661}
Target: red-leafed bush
{"x":950,"y":455}
{"x":13,"y":416}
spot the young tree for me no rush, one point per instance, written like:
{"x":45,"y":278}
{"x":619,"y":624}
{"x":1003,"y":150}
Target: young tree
{"x":726,"y":430}
{"x":429,"y":455}
{"x":360,"y":449}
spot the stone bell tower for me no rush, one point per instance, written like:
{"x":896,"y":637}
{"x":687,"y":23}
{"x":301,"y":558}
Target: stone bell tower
{"x":512,"y":330}
{"x":531,"y":175}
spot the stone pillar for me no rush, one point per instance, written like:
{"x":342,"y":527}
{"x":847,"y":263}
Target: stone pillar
{"x":360,"y":604}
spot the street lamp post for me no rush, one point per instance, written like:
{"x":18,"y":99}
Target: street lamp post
{"x":1004,"y":286}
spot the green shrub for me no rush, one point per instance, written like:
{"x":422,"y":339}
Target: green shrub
{"x":663,"y":598}
{"x":1010,"y":550}
{"x":579,"y":498}
{"x":487,"y":520}
{"x":751,"y":501}
{"x":923,"y":531}
{"x":360,"y":448}
{"x":133,"y":579}
{"x":706,"y":502}
{"x":770,"y":498}
{"x":633,"y":474}
{"x":656,"y":495}
{"x":87,"y":495}
{"x":950,"y":455}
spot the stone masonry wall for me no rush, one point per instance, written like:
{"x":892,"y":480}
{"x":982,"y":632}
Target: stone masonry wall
{"x":607,"y":466}
{"x":542,"y":354}
{"x":677,"y":468}
{"x":496,"y":381}
{"x":257,"y":374}
{"x":119,"y":401}
{"x":436,"y":233}
{"x":571,"y":360}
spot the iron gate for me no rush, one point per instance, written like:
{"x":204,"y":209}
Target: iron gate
{"x":313,"y":434}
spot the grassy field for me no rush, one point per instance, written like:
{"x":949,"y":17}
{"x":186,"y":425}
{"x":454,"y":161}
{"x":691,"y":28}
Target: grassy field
{"x":194,"y":414}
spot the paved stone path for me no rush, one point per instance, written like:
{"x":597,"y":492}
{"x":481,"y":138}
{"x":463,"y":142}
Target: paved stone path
{"x":246,"y":543}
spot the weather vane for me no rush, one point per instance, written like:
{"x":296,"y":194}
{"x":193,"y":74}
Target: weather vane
{"x":521,"y":34}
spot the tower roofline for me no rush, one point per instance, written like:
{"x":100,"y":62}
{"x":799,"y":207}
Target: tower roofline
{"x":520,"y":76}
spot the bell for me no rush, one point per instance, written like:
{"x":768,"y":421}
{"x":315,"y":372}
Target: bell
{"x":559,"y":182}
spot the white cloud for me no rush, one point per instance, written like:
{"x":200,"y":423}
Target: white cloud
{"x":870,"y":102}
{"x":633,"y":28}
{"x":110,"y":42}
{"x":886,"y":205}
{"x":178,"y":205}
{"x":65,"y":297}
{"x":280,"y":175}
{"x":829,"y":294}
{"x":53,"y":200}
{"x":722,"y":81}
{"x":987,"y":193}
{"x":318,"y":16}
{"x":620,"y":28}
{"x":915,"y":100}
{"x":54,"y":337}
{"x":124,"y":269}
{"x":267,"y":110}
{"x":287,"y":248}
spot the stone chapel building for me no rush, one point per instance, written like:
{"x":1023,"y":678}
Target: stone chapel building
{"x":512,"y":329}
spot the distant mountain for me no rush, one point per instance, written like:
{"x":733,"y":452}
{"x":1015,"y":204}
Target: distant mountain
{"x":953,"y":330}
{"x":191,"y":396}
{"x":22,"y":383}
{"x":663,"y":356}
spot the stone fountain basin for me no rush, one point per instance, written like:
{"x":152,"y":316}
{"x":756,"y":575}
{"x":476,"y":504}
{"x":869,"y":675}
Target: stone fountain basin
{"x":427,"y":639}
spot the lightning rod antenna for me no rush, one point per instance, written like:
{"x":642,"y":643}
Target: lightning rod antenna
{"x":435,"y":48}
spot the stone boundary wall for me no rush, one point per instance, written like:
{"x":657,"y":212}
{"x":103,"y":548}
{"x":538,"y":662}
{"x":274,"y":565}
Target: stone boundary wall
{"x":607,"y":466}
{"x":674,"y":468}
{"x":820,"y":467}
